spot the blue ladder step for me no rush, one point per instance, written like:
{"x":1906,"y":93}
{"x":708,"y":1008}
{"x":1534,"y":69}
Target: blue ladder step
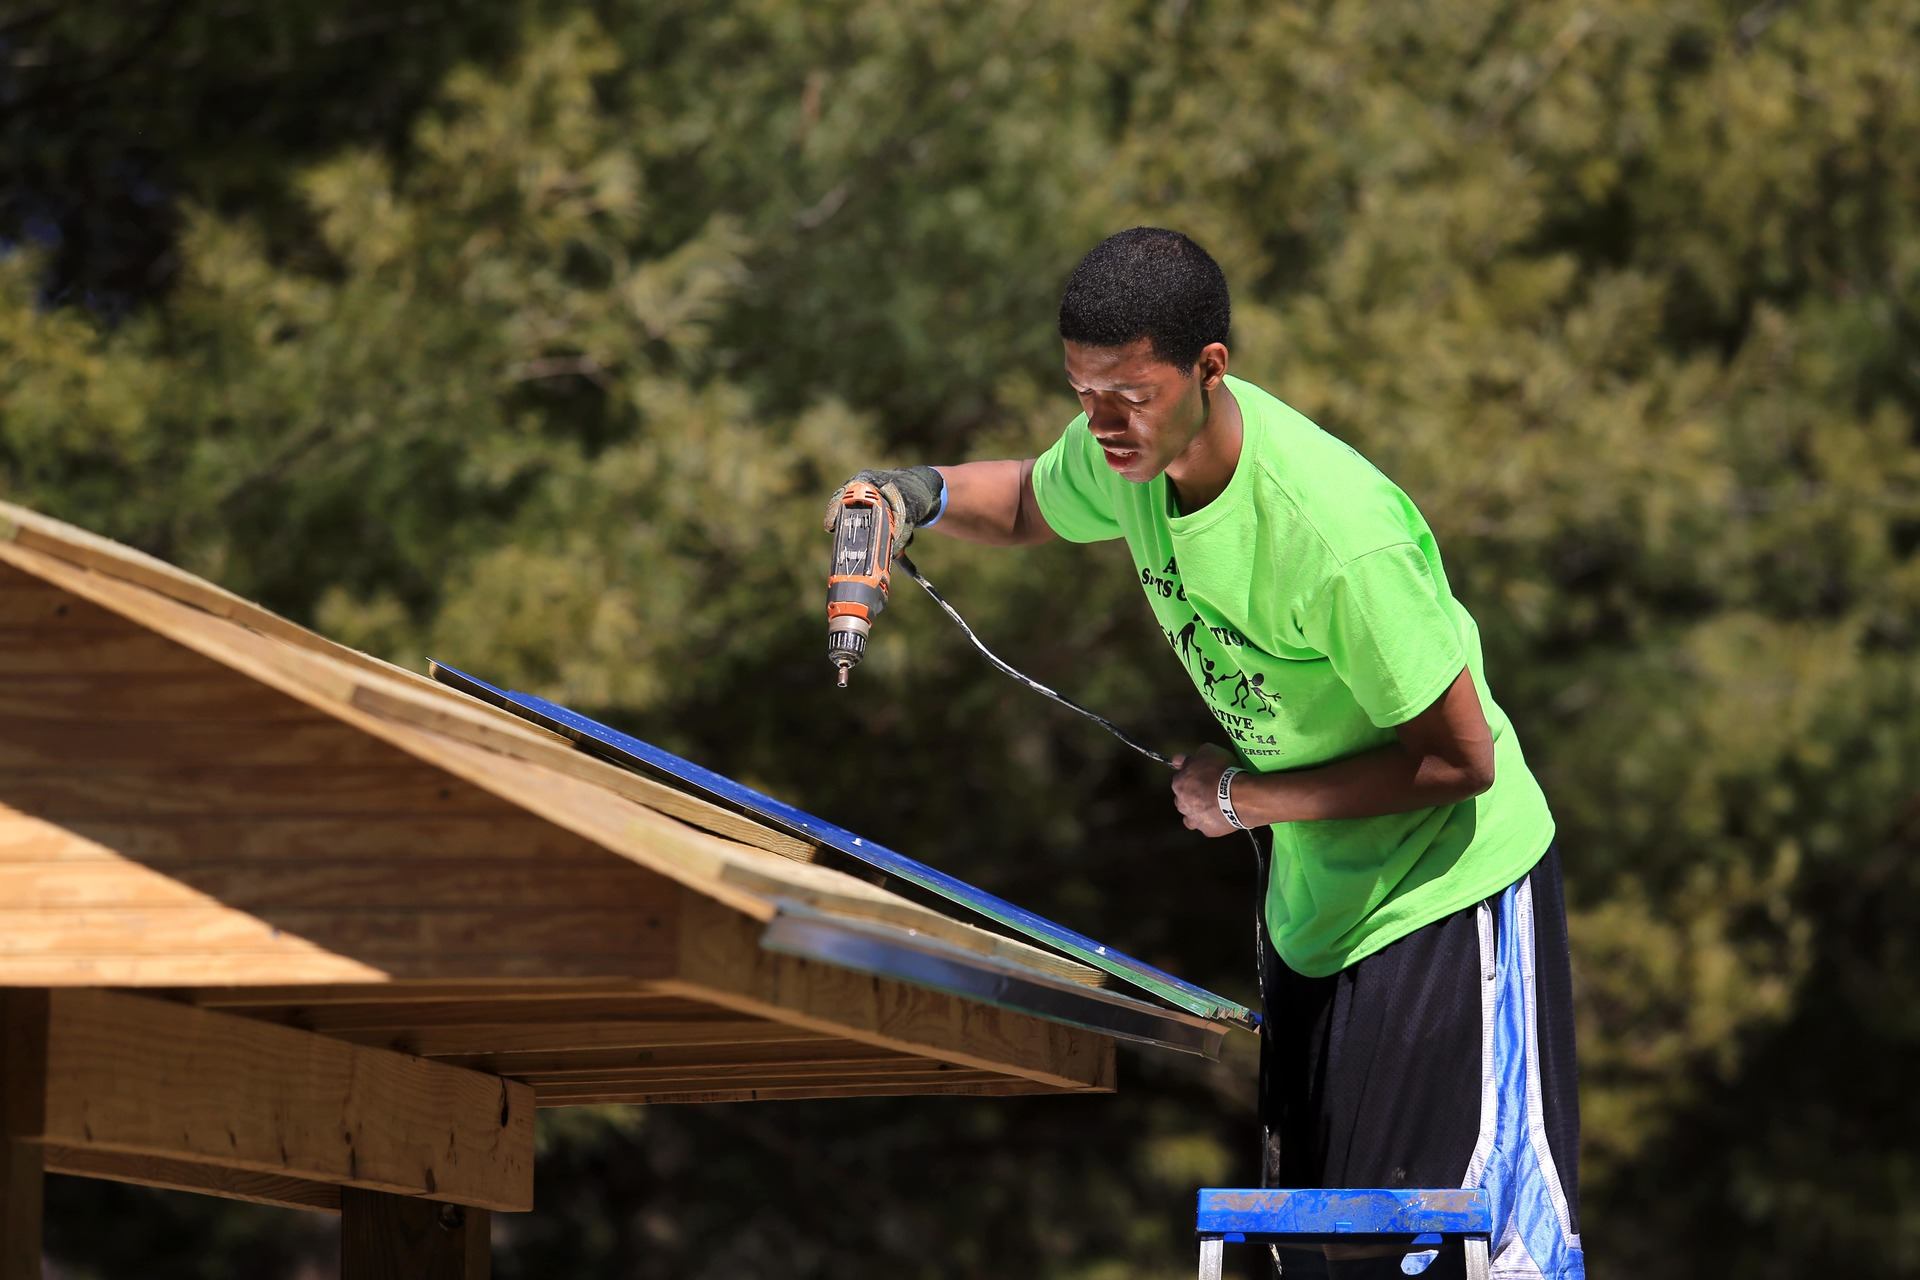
{"x":1353,"y":1215}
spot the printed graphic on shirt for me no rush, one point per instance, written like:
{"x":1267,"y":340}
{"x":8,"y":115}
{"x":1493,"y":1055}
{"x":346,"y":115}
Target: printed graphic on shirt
{"x":1240,"y":700}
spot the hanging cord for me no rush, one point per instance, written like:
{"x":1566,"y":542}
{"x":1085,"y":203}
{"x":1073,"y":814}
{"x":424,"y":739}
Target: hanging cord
{"x":1026,"y":680}
{"x":1259,"y":853}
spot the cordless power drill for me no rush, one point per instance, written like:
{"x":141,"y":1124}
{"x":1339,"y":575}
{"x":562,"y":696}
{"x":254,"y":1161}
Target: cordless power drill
{"x":863,"y":548}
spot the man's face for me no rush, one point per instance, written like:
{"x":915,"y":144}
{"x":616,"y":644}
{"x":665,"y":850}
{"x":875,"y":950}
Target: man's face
{"x":1143,"y":412}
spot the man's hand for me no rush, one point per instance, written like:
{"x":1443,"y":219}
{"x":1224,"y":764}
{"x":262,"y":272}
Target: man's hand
{"x":1196,"y":790}
{"x":913,"y":493}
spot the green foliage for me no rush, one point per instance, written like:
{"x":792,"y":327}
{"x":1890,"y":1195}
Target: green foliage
{"x":536,"y":345}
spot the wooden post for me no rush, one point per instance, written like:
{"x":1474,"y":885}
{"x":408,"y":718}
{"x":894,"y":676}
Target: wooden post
{"x":23,"y":1062}
{"x":388,"y":1237}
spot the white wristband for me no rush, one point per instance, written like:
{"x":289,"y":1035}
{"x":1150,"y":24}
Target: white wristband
{"x":1226,"y":800}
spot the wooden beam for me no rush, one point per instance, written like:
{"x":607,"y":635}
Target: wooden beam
{"x":773,"y":1089}
{"x":26,"y":601}
{"x":59,"y":650}
{"x":279,"y":965}
{"x":721,"y":961}
{"x":896,"y":1070}
{"x":820,"y":1059}
{"x":840,"y":1079}
{"x":422,"y":939}
{"x":203,"y":1179}
{"x":385,"y":1237}
{"x":23,"y":1065}
{"x":431,"y":1020}
{"x":587,"y":876}
{"x":160,"y":843}
{"x":508,"y":1040}
{"x":161,"y":789}
{"x":116,"y":742}
{"x":139,"y":1076}
{"x":764,"y":1041}
{"x":454,"y":1000}
{"x":568,"y":1096}
{"x":209,"y":696}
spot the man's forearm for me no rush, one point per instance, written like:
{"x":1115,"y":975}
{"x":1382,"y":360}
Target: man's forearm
{"x":992,"y":502}
{"x":1387,"y":779}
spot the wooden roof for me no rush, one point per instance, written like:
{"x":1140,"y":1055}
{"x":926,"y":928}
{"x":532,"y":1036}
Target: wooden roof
{"x":219,"y":827}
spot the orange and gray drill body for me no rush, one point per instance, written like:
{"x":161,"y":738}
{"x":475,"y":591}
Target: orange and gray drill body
{"x":863,"y":550}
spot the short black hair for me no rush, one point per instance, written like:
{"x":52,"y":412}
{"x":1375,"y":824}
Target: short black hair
{"x":1149,"y":283}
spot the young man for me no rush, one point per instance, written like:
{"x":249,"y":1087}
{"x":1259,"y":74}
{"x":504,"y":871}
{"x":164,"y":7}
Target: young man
{"x":1419,"y":1029}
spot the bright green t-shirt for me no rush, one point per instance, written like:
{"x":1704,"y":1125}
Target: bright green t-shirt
{"x":1308,"y":604}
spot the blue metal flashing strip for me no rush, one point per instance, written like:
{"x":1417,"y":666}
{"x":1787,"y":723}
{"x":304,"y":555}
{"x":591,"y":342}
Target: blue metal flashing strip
{"x":624,"y":749}
{"x":1255,"y":1212}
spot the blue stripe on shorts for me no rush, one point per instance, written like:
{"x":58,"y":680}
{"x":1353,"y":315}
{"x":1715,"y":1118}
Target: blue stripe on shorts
{"x":1533,"y":1236}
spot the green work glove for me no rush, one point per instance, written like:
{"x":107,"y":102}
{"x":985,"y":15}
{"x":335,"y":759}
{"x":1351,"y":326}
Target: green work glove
{"x":918,"y":496}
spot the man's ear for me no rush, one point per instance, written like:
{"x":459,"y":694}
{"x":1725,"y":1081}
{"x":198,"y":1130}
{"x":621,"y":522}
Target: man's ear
{"x":1211,"y":367}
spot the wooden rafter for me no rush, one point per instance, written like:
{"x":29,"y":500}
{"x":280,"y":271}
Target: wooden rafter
{"x":183,"y":1175}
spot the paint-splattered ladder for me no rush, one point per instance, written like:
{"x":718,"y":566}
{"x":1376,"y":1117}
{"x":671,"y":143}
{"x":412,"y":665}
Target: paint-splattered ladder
{"x":1418,"y":1219}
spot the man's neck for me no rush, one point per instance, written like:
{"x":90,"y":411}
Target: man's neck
{"x":1200,"y":474}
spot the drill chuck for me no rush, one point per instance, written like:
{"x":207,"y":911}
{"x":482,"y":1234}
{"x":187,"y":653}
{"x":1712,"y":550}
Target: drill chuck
{"x":847,"y":643}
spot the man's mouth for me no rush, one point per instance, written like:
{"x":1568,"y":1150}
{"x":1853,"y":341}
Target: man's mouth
{"x":1117,"y":457}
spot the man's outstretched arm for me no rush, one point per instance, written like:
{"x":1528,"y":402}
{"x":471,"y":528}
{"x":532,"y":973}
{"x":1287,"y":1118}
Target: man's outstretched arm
{"x":993,"y":502}
{"x":990,"y":502}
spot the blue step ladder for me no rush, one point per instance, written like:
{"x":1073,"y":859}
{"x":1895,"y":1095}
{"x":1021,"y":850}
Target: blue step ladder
{"x":1359,"y":1216}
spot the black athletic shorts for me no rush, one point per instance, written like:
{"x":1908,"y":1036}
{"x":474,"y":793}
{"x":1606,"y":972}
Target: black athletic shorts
{"x":1445,"y":1059}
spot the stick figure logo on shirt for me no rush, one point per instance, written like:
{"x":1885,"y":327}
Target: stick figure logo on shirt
{"x":1192,"y":641}
{"x":1185,"y":641}
{"x":1247,"y":692}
